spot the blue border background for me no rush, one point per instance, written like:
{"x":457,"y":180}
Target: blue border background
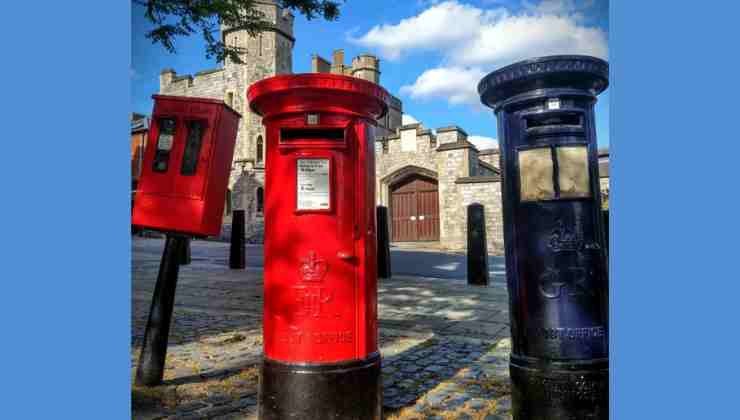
{"x":674,"y":228}
{"x":66,"y":246}
{"x":66,"y":238}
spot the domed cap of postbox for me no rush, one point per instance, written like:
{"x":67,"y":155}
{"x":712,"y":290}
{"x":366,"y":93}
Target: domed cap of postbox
{"x":317,"y":92}
{"x":580,"y":72}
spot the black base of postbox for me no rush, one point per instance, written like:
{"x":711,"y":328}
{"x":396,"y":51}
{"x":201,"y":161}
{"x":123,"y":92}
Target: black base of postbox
{"x":350,"y":390}
{"x":560,"y":391}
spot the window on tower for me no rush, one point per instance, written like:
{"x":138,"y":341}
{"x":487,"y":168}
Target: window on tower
{"x":260,"y":149}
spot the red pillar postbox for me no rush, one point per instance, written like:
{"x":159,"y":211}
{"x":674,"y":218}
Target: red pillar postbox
{"x":186,"y":166}
{"x":321,"y":355}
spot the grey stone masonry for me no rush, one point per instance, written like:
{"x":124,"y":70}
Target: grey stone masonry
{"x":262,"y":55}
{"x":452,"y":134}
{"x":366,"y":67}
{"x":462,"y":178}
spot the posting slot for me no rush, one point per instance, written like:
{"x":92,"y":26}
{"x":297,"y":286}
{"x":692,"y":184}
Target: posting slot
{"x":550,"y":119}
{"x":193,"y":144}
{"x":293,"y":134}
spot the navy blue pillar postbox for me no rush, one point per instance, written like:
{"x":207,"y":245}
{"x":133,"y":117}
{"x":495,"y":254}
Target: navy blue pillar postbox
{"x":556,"y":262}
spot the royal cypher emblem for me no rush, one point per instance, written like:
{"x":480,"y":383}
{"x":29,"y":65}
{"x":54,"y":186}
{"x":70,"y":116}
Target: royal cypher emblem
{"x":313,"y":268}
{"x":563,"y":239}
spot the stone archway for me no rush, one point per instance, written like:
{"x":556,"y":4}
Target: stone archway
{"x":413,"y":204}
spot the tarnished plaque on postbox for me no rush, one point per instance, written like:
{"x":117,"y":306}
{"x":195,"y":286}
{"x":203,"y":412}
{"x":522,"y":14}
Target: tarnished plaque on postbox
{"x":313,"y":184}
{"x":573,"y":171}
{"x":535,"y":172}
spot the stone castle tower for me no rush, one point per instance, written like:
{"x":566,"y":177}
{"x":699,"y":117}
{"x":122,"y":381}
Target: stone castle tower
{"x":264,"y":55}
{"x":367,"y":67}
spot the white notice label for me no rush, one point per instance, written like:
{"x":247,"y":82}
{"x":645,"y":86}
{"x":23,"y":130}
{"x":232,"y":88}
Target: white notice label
{"x":165,"y":142}
{"x":313,"y":184}
{"x":553,"y":103}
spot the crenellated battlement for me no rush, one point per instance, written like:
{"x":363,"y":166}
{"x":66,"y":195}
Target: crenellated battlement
{"x":366,"y":67}
{"x":169,"y":79}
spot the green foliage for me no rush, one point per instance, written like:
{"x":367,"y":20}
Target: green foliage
{"x":174,"y":18}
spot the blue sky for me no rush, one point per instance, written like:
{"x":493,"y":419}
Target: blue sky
{"x":432,"y":52}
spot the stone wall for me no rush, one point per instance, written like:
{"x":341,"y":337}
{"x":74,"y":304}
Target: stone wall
{"x":452,"y":165}
{"x":486,"y":192}
{"x":390,"y":159}
{"x":366,"y":67}
{"x":263,"y":55}
{"x":205,"y":84}
{"x":490,"y":156}
{"x":473,"y":164}
{"x":605,"y":193}
{"x":462,"y":179}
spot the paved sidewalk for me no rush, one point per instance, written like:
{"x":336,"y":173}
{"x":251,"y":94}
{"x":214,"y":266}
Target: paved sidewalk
{"x":421,"y":261}
{"x":444,"y":344}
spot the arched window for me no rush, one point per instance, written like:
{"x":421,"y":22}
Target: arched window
{"x":260,"y":200}
{"x":260,"y":149}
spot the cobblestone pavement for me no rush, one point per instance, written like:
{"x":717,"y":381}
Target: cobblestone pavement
{"x":444,"y":344}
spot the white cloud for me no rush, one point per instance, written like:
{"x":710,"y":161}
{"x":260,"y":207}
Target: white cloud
{"x":408,"y":119}
{"x":476,"y":41}
{"x":456,"y":84}
{"x":443,"y":24}
{"x":517,"y":38}
{"x":483,"y":142}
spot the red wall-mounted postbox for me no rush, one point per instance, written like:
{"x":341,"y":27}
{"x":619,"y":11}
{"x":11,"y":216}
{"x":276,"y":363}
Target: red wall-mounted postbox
{"x":320,"y":327}
{"x":186,"y":167}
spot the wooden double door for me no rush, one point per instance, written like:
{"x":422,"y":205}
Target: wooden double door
{"x":415,"y":210}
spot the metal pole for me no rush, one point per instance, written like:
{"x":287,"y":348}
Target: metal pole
{"x":384,"y":250}
{"x":477,"y":246}
{"x":185,"y":256}
{"x":237,"y":257}
{"x":154,"y":350}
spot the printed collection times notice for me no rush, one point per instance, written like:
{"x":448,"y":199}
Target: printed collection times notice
{"x":313,"y":184}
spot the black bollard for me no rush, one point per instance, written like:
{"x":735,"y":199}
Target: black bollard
{"x":154,"y":350}
{"x":185,"y":256}
{"x":477,"y":246}
{"x":555,"y":258}
{"x":237,"y":256}
{"x":384,"y":250}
